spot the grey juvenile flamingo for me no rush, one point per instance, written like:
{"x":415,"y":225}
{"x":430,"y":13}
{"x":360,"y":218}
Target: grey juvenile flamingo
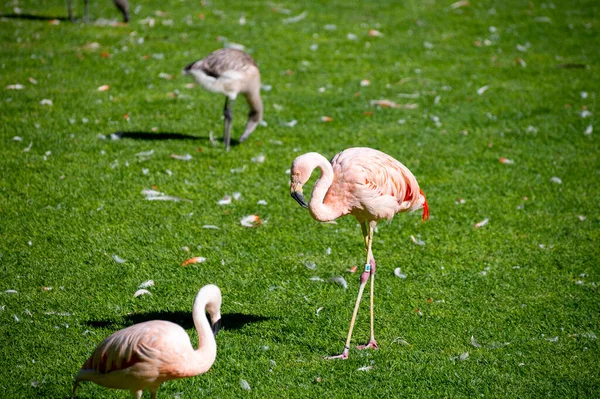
{"x":231,"y":72}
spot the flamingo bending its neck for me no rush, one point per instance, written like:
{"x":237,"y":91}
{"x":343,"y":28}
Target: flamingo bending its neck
{"x":367,"y":184}
{"x":231,"y":72}
{"x":147,"y":354}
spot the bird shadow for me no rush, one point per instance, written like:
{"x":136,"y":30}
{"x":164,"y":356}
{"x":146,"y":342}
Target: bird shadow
{"x":32,"y":17}
{"x":150,"y":136}
{"x":232,"y":321}
{"x":138,"y":135}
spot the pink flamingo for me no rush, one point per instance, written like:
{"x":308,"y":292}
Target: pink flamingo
{"x":367,"y":184}
{"x":231,"y":72}
{"x":147,"y":354}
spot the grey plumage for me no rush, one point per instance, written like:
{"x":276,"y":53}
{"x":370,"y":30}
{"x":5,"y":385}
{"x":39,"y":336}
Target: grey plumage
{"x":223,"y":60}
{"x":231,"y":72}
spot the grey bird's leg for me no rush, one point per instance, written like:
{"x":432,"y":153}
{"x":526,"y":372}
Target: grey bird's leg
{"x":228,"y":115}
{"x":70,"y":9}
{"x":123,"y":6}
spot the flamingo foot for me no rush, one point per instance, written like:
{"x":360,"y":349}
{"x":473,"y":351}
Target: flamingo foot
{"x":343,"y":356}
{"x":371,"y":345}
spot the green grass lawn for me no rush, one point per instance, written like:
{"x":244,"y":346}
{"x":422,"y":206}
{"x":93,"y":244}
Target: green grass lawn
{"x":516,"y":79}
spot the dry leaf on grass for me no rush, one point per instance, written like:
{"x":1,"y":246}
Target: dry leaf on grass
{"x":391,"y":104}
{"x":482,"y":223}
{"x":417,"y":241}
{"x":385,"y":103}
{"x":186,"y":157}
{"x":226,"y":200}
{"x":195,"y":259}
{"x":401,"y":341}
{"x":520,"y":61}
{"x":399,"y":274}
{"x":461,"y":3}
{"x":295,"y":19}
{"x":245,"y":386}
{"x":93,"y":46}
{"x":144,"y":154}
{"x":474,"y":342}
{"x":251,"y":221}
{"x":338,"y":280}
{"x":141,"y":292}
{"x":310,"y":265}
{"x":556,"y":180}
{"x":365,"y":368}
{"x":146,"y":284}
{"x":118,"y":259}
{"x":154,"y":195}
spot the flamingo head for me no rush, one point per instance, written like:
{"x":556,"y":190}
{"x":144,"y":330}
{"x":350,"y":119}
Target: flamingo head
{"x":300,"y":172}
{"x":212,"y":294}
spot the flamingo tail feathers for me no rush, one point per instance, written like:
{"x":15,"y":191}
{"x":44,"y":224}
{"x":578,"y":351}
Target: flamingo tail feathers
{"x":425,"y":207}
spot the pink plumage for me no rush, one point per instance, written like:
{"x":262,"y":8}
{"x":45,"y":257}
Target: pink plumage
{"x":145,"y":355}
{"x":365,"y":183}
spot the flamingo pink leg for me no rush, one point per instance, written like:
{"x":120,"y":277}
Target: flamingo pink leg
{"x":369,"y":272}
{"x":363,"y":281}
{"x":371,"y":259}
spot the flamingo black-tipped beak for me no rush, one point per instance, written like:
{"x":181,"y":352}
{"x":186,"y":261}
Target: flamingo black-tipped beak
{"x":296,"y":192}
{"x":216,"y":327}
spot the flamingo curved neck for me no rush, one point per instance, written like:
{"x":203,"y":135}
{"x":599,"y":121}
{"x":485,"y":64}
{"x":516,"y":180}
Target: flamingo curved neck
{"x":206,"y":353}
{"x":255,"y":104}
{"x":318,"y":209}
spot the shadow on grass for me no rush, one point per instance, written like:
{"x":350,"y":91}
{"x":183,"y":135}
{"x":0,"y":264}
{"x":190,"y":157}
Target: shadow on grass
{"x":150,"y":136}
{"x":157,"y":136}
{"x":32,"y":17}
{"x":233,"y":321}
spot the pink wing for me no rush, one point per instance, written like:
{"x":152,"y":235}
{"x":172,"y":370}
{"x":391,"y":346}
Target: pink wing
{"x":365,"y":175}
{"x":139,"y":343}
